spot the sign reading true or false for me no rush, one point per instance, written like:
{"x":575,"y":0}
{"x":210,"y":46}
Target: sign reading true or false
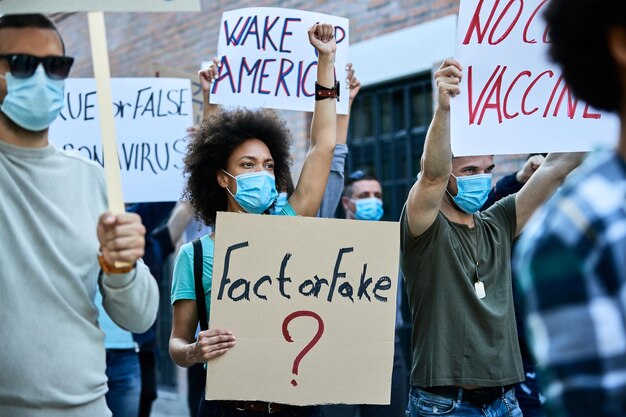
{"x":312,"y":305}
{"x":151,"y":117}
{"x":513,"y":98}
{"x":268,"y":61}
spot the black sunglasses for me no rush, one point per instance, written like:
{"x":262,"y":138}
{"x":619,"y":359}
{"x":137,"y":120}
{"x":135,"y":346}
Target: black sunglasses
{"x":24,"y":66}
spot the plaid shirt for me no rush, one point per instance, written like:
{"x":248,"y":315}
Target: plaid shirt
{"x":571,"y":264}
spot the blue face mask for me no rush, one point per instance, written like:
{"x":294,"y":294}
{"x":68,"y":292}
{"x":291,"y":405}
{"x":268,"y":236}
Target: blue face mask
{"x":280,"y":203}
{"x":255,"y":191}
{"x":472,"y":193}
{"x":33,"y":103}
{"x":368,"y":209}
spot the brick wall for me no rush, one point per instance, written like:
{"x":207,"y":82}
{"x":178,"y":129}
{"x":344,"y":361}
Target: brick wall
{"x":184,"y":40}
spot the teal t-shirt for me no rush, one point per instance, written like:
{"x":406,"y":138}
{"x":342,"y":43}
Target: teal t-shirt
{"x":183,"y":286}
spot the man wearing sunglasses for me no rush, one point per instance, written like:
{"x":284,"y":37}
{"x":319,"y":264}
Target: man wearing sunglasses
{"x":58,"y":242}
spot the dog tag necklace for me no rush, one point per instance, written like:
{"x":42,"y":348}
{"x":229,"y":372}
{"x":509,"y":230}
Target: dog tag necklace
{"x":479,"y":287}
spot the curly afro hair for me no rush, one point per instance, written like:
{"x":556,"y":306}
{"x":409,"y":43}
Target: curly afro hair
{"x":211,"y":145}
{"x":579,"y":43}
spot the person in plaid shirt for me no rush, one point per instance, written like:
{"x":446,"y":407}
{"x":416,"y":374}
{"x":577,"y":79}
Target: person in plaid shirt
{"x":571,"y":260}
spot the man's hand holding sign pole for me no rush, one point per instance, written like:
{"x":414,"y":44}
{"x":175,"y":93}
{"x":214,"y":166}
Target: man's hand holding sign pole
{"x":117,"y":218}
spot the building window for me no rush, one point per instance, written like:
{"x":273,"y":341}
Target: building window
{"x":387,"y":131}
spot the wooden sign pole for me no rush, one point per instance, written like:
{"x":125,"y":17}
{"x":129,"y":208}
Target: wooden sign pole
{"x":102,"y":73}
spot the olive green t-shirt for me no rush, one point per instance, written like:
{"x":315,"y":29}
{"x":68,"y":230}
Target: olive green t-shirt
{"x":458,"y":338}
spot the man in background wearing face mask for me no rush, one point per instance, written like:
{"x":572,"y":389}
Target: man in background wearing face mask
{"x":363,"y":197}
{"x":57,"y":237}
{"x":457,"y":267}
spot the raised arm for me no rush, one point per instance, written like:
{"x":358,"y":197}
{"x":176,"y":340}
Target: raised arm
{"x":206,"y":78}
{"x":334,"y":187}
{"x":512,"y":183}
{"x":543,"y":183}
{"x":425,"y":197}
{"x":343,"y":120}
{"x":308,"y":194}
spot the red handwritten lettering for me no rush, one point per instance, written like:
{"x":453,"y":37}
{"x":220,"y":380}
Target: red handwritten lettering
{"x":497,"y":96}
{"x":496,"y":22}
{"x":530,"y":21}
{"x":508,"y":92}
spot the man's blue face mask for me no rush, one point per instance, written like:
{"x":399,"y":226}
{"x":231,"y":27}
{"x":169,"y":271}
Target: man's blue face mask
{"x":33,"y":102}
{"x":368,"y":209}
{"x":472,"y":193}
{"x":256,"y":191}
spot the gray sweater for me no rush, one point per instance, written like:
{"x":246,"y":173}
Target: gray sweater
{"x":52,"y":358}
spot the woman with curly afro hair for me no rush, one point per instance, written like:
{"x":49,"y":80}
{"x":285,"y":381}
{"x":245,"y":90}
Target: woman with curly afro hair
{"x":235,"y":162}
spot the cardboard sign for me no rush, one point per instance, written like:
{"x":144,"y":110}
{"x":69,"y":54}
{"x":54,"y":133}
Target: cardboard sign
{"x":56,"y":6}
{"x":513,"y":98}
{"x":268,"y":61}
{"x":312,"y":305}
{"x":151,"y":118}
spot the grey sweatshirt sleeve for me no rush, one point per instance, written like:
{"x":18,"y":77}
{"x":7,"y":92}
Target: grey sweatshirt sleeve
{"x":334,"y":186}
{"x":131,"y":300}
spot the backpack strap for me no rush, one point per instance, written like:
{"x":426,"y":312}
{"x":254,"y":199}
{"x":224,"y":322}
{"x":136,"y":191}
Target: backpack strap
{"x":197,"y":274}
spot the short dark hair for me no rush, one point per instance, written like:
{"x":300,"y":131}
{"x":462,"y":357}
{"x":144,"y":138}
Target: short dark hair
{"x":211,"y":145}
{"x":579,"y":43}
{"x":356,"y":176}
{"x":20,"y":21}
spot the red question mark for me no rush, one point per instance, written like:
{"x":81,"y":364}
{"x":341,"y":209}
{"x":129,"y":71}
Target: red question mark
{"x":309,"y":346}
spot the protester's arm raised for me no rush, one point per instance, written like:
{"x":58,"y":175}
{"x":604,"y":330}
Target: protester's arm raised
{"x":427,"y":193}
{"x":308,"y":194}
{"x":343,"y":120}
{"x":206,"y":78}
{"x":334,"y":186}
{"x":542,"y":184}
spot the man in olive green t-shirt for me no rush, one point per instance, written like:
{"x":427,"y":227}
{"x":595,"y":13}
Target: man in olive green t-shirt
{"x":458,"y":274}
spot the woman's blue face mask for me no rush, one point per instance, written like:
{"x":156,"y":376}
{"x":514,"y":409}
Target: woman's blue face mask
{"x":472,"y":193}
{"x":256,"y":191}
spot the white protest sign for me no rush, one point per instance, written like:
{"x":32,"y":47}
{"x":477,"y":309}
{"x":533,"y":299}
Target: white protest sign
{"x":55,"y":6}
{"x":196,"y":89}
{"x":267,"y":60}
{"x":151,"y":118}
{"x":311,"y":303}
{"x":513,"y":98}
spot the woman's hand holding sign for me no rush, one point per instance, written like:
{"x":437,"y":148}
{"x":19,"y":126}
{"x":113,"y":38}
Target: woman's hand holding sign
{"x":210,"y":344}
